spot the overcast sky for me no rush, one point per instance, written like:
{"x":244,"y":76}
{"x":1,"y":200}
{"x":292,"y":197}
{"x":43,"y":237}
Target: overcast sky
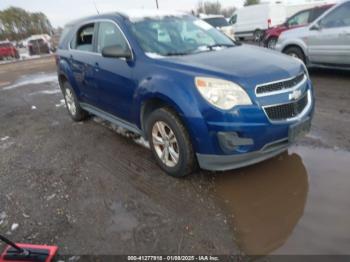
{"x":62,"y":11}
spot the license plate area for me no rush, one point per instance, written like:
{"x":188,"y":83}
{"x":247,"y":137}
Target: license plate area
{"x":299,"y":129}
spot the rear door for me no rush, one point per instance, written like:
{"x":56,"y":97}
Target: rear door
{"x":330,"y":44}
{"x":114,"y":75}
{"x":81,"y":58}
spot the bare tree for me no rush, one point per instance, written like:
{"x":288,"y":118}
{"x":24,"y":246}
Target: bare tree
{"x":16,"y":24}
{"x":251,"y":2}
{"x":209,"y":7}
{"x":214,"y":8}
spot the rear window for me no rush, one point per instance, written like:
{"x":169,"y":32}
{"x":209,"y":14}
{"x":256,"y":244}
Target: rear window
{"x":36,"y":41}
{"x":217,"y":21}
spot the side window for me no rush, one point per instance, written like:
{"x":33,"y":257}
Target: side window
{"x":233,"y":20}
{"x":339,"y":17}
{"x":110,"y":35}
{"x":316,"y":13}
{"x":83,"y":40}
{"x":299,"y":19}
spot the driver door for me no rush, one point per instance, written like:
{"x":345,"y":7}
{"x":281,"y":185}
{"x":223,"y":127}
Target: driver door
{"x":114,"y":75}
{"x":329,"y":41}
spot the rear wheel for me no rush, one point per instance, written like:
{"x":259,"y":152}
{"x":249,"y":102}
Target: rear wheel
{"x":170,"y":143}
{"x":258,"y":34}
{"x":295,"y":52}
{"x":73,"y":106}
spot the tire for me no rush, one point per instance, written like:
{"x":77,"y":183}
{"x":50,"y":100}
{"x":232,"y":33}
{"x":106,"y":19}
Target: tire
{"x":296,"y":52}
{"x":181,"y":147}
{"x":271,"y":42}
{"x":72,"y":103}
{"x":258,"y":34}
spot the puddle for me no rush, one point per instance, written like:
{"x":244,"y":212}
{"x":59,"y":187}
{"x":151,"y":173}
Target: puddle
{"x":33,"y":79}
{"x":296,"y":203}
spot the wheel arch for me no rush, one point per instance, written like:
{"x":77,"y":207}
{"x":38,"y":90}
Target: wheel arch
{"x":151,"y":104}
{"x":300,"y":47}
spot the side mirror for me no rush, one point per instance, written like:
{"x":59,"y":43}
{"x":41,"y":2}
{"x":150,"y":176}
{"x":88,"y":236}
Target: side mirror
{"x":315,"y":27}
{"x":116,"y":52}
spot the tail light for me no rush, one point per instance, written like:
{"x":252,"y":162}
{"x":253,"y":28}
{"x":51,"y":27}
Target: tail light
{"x":269,"y":22}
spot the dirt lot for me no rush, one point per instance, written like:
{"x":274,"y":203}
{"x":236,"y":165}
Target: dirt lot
{"x":90,"y":190}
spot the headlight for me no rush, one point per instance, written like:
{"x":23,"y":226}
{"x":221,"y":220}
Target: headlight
{"x":221,"y":93}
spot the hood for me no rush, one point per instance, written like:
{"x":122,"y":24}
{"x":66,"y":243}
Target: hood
{"x":245,"y":65}
{"x":276,"y":30}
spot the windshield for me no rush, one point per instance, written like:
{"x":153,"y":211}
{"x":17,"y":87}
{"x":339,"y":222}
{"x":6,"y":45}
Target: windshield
{"x":176,"y":35}
{"x":217,"y":21}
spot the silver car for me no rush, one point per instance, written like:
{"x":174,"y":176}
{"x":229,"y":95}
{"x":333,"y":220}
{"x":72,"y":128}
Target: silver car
{"x":324,"y":43}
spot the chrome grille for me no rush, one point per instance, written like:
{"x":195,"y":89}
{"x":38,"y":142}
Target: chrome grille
{"x":286,"y":111}
{"x":278,"y":86}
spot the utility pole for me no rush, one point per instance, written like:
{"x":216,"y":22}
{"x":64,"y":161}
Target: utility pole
{"x":157,"y":4}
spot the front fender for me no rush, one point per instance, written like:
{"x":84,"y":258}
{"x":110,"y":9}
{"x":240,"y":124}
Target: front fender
{"x":179,"y":93}
{"x":295,"y":42}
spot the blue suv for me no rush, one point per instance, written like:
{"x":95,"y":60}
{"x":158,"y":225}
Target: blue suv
{"x":198,"y":97}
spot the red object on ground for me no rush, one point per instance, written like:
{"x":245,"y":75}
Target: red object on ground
{"x":49,"y":253}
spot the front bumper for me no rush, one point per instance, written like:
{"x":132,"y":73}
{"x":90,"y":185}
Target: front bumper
{"x":229,"y":162}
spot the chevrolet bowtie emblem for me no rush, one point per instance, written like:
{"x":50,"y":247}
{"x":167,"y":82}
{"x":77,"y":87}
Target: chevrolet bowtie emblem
{"x":295,"y":95}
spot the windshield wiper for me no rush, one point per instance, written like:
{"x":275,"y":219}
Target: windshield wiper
{"x":176,"y":53}
{"x":211,"y":47}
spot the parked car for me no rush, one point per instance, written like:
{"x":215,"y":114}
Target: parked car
{"x":38,"y":47}
{"x":324,"y":43}
{"x":195,"y":102}
{"x":8,"y":50}
{"x":300,"y":19}
{"x":251,"y":21}
{"x":220,"y":22}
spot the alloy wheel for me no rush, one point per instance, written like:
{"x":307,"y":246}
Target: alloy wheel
{"x":165,"y":144}
{"x":70,"y":101}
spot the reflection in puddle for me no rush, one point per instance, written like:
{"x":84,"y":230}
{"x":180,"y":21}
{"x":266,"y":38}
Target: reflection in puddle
{"x":296,"y":203}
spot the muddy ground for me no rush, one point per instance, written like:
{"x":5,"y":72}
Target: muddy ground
{"x":93,"y":191}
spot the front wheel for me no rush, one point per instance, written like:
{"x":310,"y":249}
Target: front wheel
{"x":295,"y":52}
{"x":170,"y":143}
{"x":258,"y":34}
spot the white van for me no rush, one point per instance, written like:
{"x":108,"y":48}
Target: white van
{"x":293,"y":8}
{"x":252,"y":21}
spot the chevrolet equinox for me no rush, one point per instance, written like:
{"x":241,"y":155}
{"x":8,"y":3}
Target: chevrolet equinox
{"x":198,"y":97}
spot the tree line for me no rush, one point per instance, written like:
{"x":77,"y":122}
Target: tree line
{"x":17,"y":24}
